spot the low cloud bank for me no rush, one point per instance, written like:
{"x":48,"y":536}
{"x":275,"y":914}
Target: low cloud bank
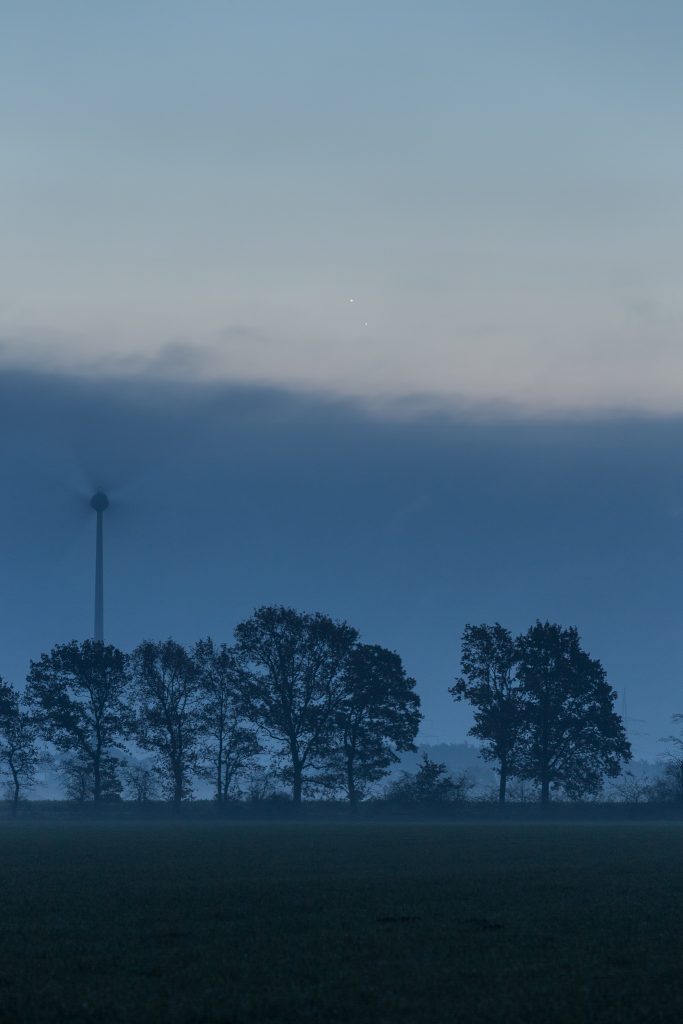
{"x":408,"y":525}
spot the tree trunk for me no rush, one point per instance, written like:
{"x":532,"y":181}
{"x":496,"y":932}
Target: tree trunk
{"x":297,"y":782}
{"x":96,"y":779}
{"x":502,"y":785}
{"x":545,"y":774}
{"x":297,"y":771}
{"x":15,"y":798}
{"x":226,"y":782}
{"x":219,"y":773}
{"x":177,"y":788}
{"x":351,"y":786}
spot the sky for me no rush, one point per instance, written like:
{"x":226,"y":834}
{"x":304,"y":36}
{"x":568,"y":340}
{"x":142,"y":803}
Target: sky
{"x":372,"y":308}
{"x":496,"y":186}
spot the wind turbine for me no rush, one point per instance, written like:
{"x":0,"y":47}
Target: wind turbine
{"x":100,"y":503}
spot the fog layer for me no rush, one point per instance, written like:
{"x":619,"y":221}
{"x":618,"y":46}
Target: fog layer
{"x":408,"y":525}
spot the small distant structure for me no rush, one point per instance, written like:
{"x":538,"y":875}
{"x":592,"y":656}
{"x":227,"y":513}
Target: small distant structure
{"x":100,"y":503}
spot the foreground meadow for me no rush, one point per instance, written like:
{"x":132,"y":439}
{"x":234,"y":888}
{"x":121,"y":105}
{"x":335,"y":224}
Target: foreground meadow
{"x":216,"y":922}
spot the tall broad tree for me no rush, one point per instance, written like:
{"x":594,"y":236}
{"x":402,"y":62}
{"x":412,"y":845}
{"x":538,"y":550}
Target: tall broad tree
{"x":572,"y":736}
{"x":77,"y":694}
{"x":295,"y":666}
{"x":488,"y":681}
{"x":167,"y":700}
{"x":229,"y":745}
{"x":19,"y":755}
{"x":378,"y":716}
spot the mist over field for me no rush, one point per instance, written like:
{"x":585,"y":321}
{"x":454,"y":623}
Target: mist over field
{"x":409,"y":519}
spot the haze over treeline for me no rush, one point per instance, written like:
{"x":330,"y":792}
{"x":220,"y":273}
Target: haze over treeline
{"x":409,"y":521}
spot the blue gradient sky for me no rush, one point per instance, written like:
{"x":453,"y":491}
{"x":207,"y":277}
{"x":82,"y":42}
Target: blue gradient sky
{"x":201,"y":188}
{"x":191,"y":194}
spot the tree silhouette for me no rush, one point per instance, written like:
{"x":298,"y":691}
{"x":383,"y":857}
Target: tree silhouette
{"x":572,"y":737}
{"x":18,"y":752}
{"x":488,"y":681}
{"x":378,"y":715}
{"x":78,"y":777}
{"x":674,"y":756}
{"x":295,"y":666}
{"x":140,"y":780}
{"x":432,"y":784}
{"x":77,"y":694}
{"x":168,"y":712}
{"x":229,"y":746}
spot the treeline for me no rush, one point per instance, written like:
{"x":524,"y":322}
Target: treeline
{"x":328,"y":712}
{"x":300,"y":701}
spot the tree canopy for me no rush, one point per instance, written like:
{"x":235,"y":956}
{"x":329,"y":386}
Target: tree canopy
{"x":295,"y":665}
{"x":168,"y":712}
{"x":543,"y":708}
{"x":489,"y":682}
{"x":77,"y":694}
{"x":572,"y":736}
{"x":377,"y":717}
{"x":18,"y":751}
{"x":229,"y":744}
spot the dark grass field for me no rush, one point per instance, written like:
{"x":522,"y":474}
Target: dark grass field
{"x":415,"y":923}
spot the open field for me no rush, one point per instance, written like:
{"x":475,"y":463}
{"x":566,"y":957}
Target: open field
{"x":217,"y":922}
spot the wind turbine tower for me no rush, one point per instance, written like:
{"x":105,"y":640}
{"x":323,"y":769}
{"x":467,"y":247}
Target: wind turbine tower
{"x":100,"y":503}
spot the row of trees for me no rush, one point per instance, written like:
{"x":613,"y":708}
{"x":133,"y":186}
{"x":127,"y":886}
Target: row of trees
{"x":301,"y":689}
{"x":329,"y":713}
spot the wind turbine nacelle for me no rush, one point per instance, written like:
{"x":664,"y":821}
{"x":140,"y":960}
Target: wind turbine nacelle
{"x":99,"y":502}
